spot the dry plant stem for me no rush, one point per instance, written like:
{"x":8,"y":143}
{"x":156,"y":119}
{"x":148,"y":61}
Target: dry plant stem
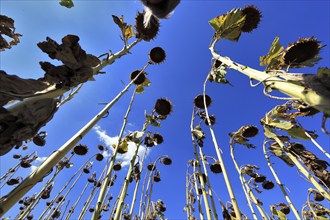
{"x":150,"y":184}
{"x":308,"y":96}
{"x":71,"y":95}
{"x":137,"y":184}
{"x":304,"y":171}
{"x":55,"y":157}
{"x":28,"y":209}
{"x":243,"y":181}
{"x":200,"y":177}
{"x":91,"y":196}
{"x":53,"y":92}
{"x":69,"y":190}
{"x":71,"y":211}
{"x":280,"y":184}
{"x":310,"y":206}
{"x":200,"y":209}
{"x":129,"y":173}
{"x":105,"y":183}
{"x":188,"y":203}
{"x":208,"y":183}
{"x":217,"y":150}
{"x":314,"y":142}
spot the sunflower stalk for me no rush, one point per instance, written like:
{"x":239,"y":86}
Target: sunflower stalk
{"x":304,"y":171}
{"x":129,"y":173}
{"x":199,"y":172}
{"x":208,"y":183}
{"x":247,"y":191}
{"x":217,"y":149}
{"x":280,"y":184}
{"x":150,"y":187}
{"x":188,"y":202}
{"x":137,"y":184}
{"x":29,"y":208}
{"x":91,"y":196}
{"x":69,"y":190}
{"x":29,"y":182}
{"x":72,"y":209}
{"x":105,"y":183}
{"x":314,"y":142}
{"x":199,"y":203}
{"x":291,"y":89}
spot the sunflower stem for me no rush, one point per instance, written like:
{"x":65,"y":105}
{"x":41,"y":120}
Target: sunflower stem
{"x":291,"y":89}
{"x":217,"y":150}
{"x":280,"y":184}
{"x":128,"y":175}
{"x":304,"y":171}
{"x":200,"y":173}
{"x":29,"y":182}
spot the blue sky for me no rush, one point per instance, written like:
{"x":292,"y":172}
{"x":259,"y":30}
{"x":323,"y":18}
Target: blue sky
{"x":185,"y":38}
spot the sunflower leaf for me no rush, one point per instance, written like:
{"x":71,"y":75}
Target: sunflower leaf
{"x":271,"y":60}
{"x":228,"y":26}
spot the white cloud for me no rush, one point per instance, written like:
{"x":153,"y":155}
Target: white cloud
{"x":37,"y":161}
{"x":108,"y":141}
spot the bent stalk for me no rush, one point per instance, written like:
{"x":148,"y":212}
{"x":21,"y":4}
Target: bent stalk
{"x":29,"y":182}
{"x":281,"y":185}
{"x":217,"y":150}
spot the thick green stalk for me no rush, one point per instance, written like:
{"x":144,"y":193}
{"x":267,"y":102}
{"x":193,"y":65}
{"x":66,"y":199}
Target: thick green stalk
{"x":29,"y":182}
{"x":286,"y":196}
{"x":129,"y":173}
{"x":308,"y":96}
{"x":217,"y":150}
{"x":305,"y":172}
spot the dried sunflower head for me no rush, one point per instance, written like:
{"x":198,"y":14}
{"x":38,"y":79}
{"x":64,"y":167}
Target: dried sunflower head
{"x":163,"y":106}
{"x":80,"y":149}
{"x":199,"y":101}
{"x":298,"y":54}
{"x":157,"y":55}
{"x":146,"y":33}
{"x":140,"y":79}
{"x":252,"y":18}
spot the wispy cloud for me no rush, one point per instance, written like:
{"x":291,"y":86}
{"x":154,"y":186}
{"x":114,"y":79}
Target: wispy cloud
{"x":37,"y":162}
{"x":109,"y":141}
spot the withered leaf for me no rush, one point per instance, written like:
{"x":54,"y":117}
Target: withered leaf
{"x":7,"y":28}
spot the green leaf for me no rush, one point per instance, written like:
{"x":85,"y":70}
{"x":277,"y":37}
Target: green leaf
{"x":284,"y":125}
{"x":271,"y":60}
{"x":67,"y":3}
{"x":298,"y":133}
{"x":321,"y":218}
{"x":228,"y":26}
